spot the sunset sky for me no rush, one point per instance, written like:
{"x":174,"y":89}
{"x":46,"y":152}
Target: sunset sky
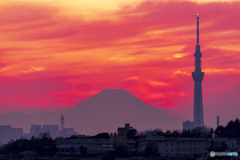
{"x":54,"y":54}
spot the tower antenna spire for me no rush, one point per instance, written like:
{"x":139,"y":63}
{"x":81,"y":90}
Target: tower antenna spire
{"x":197,"y":29}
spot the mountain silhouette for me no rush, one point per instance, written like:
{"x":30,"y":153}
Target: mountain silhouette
{"x":103,"y":112}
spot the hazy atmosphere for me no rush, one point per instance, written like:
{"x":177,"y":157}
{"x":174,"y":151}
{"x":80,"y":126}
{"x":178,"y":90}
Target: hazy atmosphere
{"x":55,"y":54}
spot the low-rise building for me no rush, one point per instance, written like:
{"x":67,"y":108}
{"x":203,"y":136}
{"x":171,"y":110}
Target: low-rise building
{"x":183,"y":147}
{"x":122,"y":131}
{"x":86,"y":145}
{"x":121,"y":139}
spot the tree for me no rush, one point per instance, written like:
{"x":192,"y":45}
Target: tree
{"x":232,"y":130}
{"x":102,"y":136}
{"x":168,"y":133}
{"x":44,"y":146}
{"x":131,"y":134}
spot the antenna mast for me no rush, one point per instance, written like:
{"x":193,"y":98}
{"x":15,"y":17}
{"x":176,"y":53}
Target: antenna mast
{"x":197,"y":29}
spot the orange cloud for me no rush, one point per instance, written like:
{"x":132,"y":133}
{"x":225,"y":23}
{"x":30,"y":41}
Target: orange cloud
{"x":221,"y":71}
{"x":158,"y":83}
{"x":34,"y":69}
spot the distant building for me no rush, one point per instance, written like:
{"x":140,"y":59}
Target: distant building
{"x":8,"y":133}
{"x":121,"y":140}
{"x":69,"y":132}
{"x":35,"y":130}
{"x":52,"y":129}
{"x":188,"y":125}
{"x":18,"y":132}
{"x":123,"y":131}
{"x":217,"y":121}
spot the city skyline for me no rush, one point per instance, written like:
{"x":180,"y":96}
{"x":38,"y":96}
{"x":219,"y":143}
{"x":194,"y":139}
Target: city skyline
{"x":56,"y":55}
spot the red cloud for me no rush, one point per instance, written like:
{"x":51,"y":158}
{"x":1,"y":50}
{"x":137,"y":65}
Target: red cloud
{"x":88,"y":56}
